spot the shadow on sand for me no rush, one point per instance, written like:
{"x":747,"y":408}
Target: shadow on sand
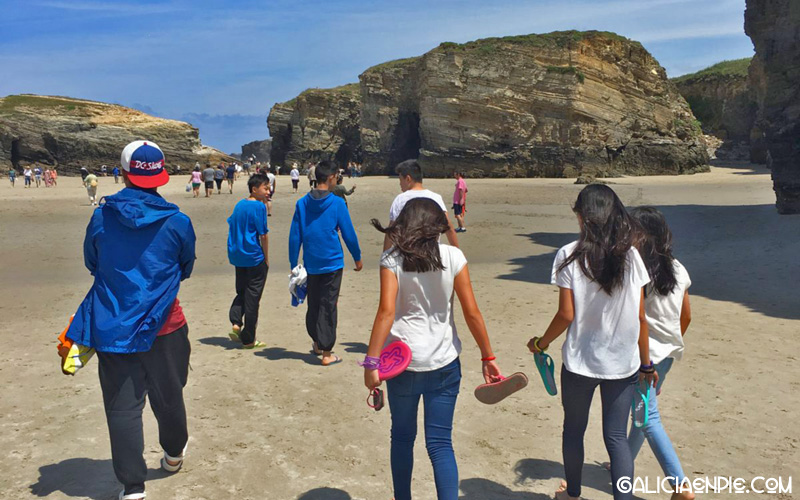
{"x":84,"y":478}
{"x":325,"y":494}
{"x":742,"y":254}
{"x":277,"y":353}
{"x":356,"y":347}
{"x":223,"y":342}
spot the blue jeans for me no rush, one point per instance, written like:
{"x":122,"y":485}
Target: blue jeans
{"x":439,"y":390}
{"x":576,"y":396}
{"x":655,"y":433}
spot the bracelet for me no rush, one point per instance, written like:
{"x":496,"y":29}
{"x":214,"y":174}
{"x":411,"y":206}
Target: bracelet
{"x":370,"y":363}
{"x":536,"y":344}
{"x":646,"y":369}
{"x":490,"y":358}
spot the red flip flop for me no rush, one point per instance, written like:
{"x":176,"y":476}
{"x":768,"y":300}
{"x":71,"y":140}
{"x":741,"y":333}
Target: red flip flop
{"x":497,"y":391}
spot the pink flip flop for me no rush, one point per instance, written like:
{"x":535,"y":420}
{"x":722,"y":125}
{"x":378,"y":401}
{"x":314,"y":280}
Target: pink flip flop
{"x":497,"y":391}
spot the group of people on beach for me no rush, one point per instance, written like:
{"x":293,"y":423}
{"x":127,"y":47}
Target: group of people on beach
{"x":623,"y":302}
{"x":34,"y":175}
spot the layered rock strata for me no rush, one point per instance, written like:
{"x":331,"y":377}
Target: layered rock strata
{"x":70,"y":133}
{"x":550,"y":105}
{"x":772,"y":25}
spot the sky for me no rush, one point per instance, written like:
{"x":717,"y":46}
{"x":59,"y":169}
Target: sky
{"x":221,"y":65}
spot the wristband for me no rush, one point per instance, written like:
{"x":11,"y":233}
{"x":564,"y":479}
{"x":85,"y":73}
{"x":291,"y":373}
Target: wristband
{"x":489,"y":358}
{"x":370,"y":363}
{"x":537,"y":346}
{"x":647,"y":368}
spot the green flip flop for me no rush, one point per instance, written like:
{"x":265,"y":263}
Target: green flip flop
{"x":544,"y":363}
{"x":255,"y":345}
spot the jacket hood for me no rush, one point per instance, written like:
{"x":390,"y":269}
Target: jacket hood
{"x":136,"y":208}
{"x":318,"y":200}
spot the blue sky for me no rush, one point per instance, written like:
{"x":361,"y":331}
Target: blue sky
{"x":222,"y":65}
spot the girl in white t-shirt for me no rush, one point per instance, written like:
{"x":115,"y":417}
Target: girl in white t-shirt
{"x":418,"y":277}
{"x":600,"y":278}
{"x":668,"y":312}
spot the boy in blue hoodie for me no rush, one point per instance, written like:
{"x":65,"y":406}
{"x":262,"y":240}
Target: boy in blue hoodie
{"x":318,"y":218}
{"x":139,"y":248}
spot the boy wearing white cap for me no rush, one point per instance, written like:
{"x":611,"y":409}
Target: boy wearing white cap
{"x":139,"y":247}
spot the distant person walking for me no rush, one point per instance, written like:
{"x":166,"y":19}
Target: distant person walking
{"x":341,"y":191}
{"x":271,"y":178}
{"x":318,"y":218}
{"x":12,"y":176}
{"x":208,"y":178}
{"x":460,"y":201}
{"x":139,"y":248}
{"x":230,"y":176}
{"x":312,"y":176}
{"x":197,"y":181}
{"x":84,"y":173}
{"x":409,"y":174}
{"x":248,"y":251}
{"x":104,"y":171}
{"x":37,"y":174}
{"x":54,"y":175}
{"x":27,"y":173}
{"x":219,"y":177}
{"x":115,"y":173}
{"x":90,"y":183}
{"x":48,"y":178}
{"x":295,"y":176}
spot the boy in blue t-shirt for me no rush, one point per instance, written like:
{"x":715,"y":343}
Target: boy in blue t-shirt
{"x":318,"y":218}
{"x":248,"y":251}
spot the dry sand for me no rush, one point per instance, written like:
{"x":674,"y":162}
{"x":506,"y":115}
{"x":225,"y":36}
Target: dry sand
{"x":272,"y":424}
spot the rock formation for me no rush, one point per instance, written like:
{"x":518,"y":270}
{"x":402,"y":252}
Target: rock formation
{"x":70,"y":133}
{"x":722,"y":99}
{"x":559,"y":104}
{"x":318,"y":124}
{"x":260,"y":149}
{"x":772,"y":25}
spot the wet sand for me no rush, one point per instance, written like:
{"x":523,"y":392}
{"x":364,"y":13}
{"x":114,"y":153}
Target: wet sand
{"x":273,"y":424}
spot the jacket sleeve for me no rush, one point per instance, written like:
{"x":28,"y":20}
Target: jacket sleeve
{"x":348,"y":231}
{"x":295,"y":239}
{"x":187,"y":254}
{"x":89,"y":250}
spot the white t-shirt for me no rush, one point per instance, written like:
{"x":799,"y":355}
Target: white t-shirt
{"x":602,"y":340}
{"x":295,"y":174}
{"x":664,"y":318}
{"x":403,"y":198}
{"x":423,"y":316}
{"x":271,"y":178}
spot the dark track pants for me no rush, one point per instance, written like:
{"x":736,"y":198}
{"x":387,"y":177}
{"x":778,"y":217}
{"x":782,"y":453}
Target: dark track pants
{"x":250,"y":283}
{"x":576,"y":396}
{"x":126,"y":379}
{"x":322,"y":299}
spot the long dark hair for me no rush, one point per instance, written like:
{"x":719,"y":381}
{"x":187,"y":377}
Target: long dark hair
{"x":415,"y":235}
{"x":607,"y":233}
{"x":655,"y":246}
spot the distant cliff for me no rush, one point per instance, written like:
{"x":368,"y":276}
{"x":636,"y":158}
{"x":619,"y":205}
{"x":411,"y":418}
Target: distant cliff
{"x":258,"y":149}
{"x":549,"y":105}
{"x":722,"y":98}
{"x":775,"y":72}
{"x":70,"y":133}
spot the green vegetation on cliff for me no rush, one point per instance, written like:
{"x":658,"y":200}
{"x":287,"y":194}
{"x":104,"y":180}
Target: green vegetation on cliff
{"x":351,"y":89}
{"x":10,"y":103}
{"x":733,"y":68}
{"x":556,"y":39}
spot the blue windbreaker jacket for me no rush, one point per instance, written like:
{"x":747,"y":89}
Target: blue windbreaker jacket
{"x":138,"y":247}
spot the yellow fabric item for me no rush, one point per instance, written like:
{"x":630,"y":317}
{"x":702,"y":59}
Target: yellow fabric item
{"x":73,"y":356}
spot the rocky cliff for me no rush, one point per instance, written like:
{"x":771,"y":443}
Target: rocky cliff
{"x":772,"y":25}
{"x":70,"y":133}
{"x":722,"y":99}
{"x":550,"y":105}
{"x":261,"y":150}
{"x":316,"y":125}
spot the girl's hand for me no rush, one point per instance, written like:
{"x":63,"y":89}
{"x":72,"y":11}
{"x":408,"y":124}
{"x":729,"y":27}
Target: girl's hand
{"x":491,"y":372}
{"x":371,"y":379}
{"x":532,"y":345}
{"x":652,"y":378}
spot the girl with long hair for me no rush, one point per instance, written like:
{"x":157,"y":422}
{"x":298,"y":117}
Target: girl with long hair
{"x":601,"y":303}
{"x":418,"y":277}
{"x":668,"y":312}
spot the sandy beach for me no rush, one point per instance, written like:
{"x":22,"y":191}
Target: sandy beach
{"x":273,"y":424}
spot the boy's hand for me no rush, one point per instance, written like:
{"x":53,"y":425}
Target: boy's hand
{"x":359,"y":266}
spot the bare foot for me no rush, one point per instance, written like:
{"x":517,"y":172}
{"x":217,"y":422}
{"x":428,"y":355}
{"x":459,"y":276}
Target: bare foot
{"x":561,"y":493}
{"x":330,"y":359}
{"x":684,"y":495}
